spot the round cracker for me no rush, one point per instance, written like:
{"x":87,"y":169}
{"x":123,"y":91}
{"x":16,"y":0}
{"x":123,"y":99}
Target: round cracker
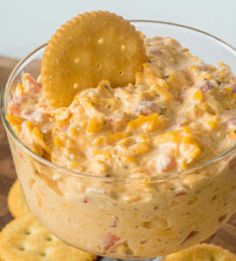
{"x":202,"y":252}
{"x":16,"y":201}
{"x":89,"y":48}
{"x":25,"y":239}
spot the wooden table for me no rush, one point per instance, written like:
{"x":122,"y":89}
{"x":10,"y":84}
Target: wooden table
{"x":226,"y":237}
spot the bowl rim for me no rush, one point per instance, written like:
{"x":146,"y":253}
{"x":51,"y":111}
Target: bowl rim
{"x":52,"y":165}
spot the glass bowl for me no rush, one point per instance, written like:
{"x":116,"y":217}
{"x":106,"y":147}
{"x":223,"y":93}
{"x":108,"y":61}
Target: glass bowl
{"x":87,"y":211}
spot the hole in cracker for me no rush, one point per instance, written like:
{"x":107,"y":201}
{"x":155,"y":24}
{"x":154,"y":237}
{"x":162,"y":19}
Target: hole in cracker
{"x":21,"y":248}
{"x":42,"y":254}
{"x":147,"y":224}
{"x":121,"y":73}
{"x":28,"y":232}
{"x":99,"y":66}
{"x":212,"y":258}
{"x":49,"y":238}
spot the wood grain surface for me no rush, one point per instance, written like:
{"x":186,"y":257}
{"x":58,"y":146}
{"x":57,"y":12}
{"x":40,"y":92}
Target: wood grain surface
{"x":225,"y":237}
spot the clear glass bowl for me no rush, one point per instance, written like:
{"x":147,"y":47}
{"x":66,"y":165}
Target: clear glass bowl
{"x":86,"y":211}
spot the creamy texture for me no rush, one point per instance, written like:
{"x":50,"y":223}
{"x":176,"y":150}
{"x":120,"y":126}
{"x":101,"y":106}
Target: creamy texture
{"x":179,"y":113}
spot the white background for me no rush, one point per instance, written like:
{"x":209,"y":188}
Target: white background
{"x":25,"y":24}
